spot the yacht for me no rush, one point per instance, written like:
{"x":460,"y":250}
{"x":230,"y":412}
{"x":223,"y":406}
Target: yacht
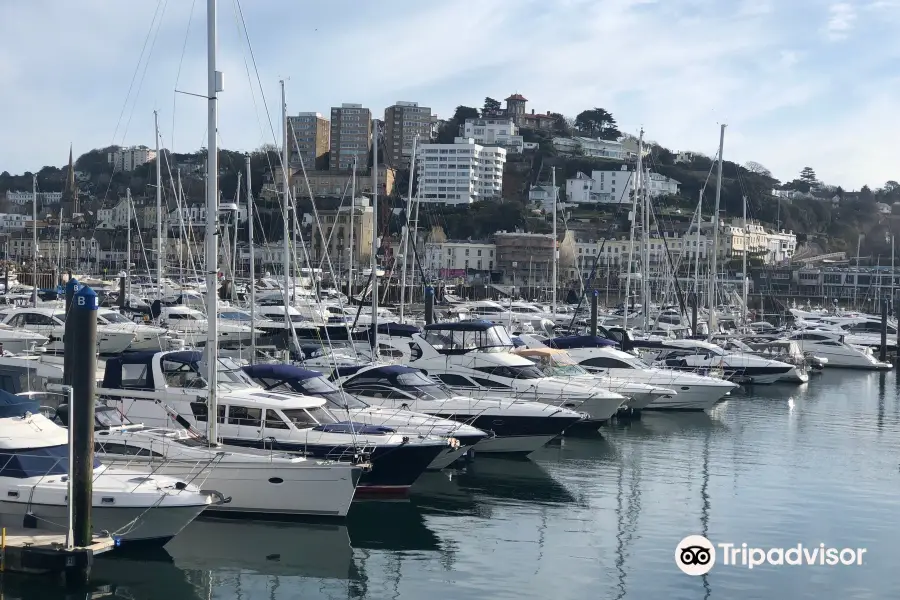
{"x":51,"y":323}
{"x":474,"y":358}
{"x":18,"y":340}
{"x":189,"y":324}
{"x":132,"y":505}
{"x":250,"y":416}
{"x":258,"y":483}
{"x":693,"y":392}
{"x":832,"y":346}
{"x":557,"y":363}
{"x":146,"y":337}
{"x":517,"y":427}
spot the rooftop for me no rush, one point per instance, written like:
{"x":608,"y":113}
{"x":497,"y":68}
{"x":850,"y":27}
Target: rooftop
{"x":519,"y":97}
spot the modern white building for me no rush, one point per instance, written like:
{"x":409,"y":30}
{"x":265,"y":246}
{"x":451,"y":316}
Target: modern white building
{"x":456,"y":258}
{"x":494,"y":132}
{"x":460,"y":173}
{"x":579,"y":189}
{"x":613,"y":187}
{"x":128,"y":159}
{"x":23,"y":198}
{"x":590,"y":148}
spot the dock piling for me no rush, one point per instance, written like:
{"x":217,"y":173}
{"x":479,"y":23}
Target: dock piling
{"x":594,"y":300}
{"x":82,"y":325}
{"x":429,"y":305}
{"x":882,"y":353}
{"x":71,"y":288}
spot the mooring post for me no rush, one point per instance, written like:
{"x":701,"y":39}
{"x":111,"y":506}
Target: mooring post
{"x":122,"y":292}
{"x":81,"y":323}
{"x":594,"y":300}
{"x":882,"y":354}
{"x":429,"y":305}
{"x":694,"y":325}
{"x":71,"y":288}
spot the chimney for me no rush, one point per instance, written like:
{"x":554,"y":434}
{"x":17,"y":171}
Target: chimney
{"x":532,"y":111}
{"x":548,"y":113}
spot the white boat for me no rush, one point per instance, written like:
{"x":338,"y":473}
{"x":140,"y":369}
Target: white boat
{"x":130,"y":504}
{"x":146,"y":337}
{"x":698,"y":355}
{"x":191,"y":326}
{"x":51,"y":322}
{"x":693,"y":392}
{"x":289,"y":379}
{"x":517,"y":427}
{"x":831,"y":345}
{"x":474,"y":358}
{"x":19,"y":340}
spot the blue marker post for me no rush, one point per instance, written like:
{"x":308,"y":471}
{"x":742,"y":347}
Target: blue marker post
{"x":71,"y":287}
{"x":81,"y":325}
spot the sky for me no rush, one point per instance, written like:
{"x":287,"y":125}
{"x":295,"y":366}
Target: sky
{"x":798,"y":82}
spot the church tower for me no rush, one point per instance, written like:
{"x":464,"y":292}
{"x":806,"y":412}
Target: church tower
{"x":69,"y":202}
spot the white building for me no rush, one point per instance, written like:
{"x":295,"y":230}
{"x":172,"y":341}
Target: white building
{"x":660,"y":185}
{"x":579,"y":189}
{"x":23,"y":198}
{"x":590,"y":148}
{"x":494,"y":132}
{"x":10,"y":222}
{"x":460,"y":173}
{"x":455,"y":258}
{"x":684,"y":157}
{"x":128,"y":159}
{"x":543,"y":196}
{"x":613,"y":187}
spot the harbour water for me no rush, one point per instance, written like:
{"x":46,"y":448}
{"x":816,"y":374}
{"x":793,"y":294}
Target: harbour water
{"x":775,"y":466}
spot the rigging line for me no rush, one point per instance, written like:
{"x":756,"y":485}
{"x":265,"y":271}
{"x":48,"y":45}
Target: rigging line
{"x":136,"y":69}
{"x":187,"y":32}
{"x":146,"y":65}
{"x":256,"y":69}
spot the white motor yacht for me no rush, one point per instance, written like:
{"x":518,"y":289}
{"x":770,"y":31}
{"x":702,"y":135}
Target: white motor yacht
{"x":146,"y":337}
{"x":51,"y":323}
{"x":474,"y":358}
{"x":517,"y":427}
{"x":19,"y":340}
{"x":832,"y":346}
{"x":130,"y":504}
{"x":190,"y":325}
{"x":702,"y":356}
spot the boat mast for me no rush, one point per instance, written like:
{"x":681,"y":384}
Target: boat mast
{"x":159,"y":228}
{"x":645,"y":213}
{"x":697,"y":292}
{"x":412,"y":170}
{"x":715,"y":249}
{"x":744,"y":279}
{"x":286,"y":207}
{"x":127,"y":244}
{"x":555,"y":244}
{"x":252,"y":263}
{"x":352,"y":219}
{"x":633,"y":217}
{"x":214,"y":86}
{"x":34,"y":243}
{"x":373,"y":337}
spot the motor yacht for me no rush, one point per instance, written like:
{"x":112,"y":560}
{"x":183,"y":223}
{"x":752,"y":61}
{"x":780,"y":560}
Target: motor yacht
{"x":250,"y":416}
{"x":516,"y":427}
{"x":832,"y":346}
{"x":50,"y":322}
{"x":130,"y":504}
{"x":146,"y":337}
{"x":474,"y":358}
{"x":190,"y":325}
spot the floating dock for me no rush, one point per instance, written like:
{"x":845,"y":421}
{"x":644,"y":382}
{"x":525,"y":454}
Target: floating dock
{"x":37,"y":552}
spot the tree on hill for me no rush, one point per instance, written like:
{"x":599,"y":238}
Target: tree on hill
{"x":450,"y":129}
{"x":599,"y":123}
{"x":562,"y":125}
{"x":755,"y":167}
{"x":491,"y":106}
{"x":808,"y":175}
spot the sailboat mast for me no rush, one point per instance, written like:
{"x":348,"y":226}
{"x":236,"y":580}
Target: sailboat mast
{"x":555,"y":244}
{"x":127,"y":244}
{"x":412,"y":170}
{"x":34,"y":244}
{"x":711,"y":300}
{"x":744,"y":278}
{"x":159,"y":228}
{"x":286,"y":207}
{"x":373,"y":337}
{"x":352,"y":224}
{"x":633,"y":217}
{"x":645,"y":245}
{"x":252,"y":263}
{"x":214,"y":86}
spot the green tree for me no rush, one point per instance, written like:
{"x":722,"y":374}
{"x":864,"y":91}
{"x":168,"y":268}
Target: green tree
{"x":808,"y":175}
{"x":755,"y":167}
{"x":599,"y":123}
{"x":450,"y":129}
{"x":491,"y":106}
{"x":562,"y":125}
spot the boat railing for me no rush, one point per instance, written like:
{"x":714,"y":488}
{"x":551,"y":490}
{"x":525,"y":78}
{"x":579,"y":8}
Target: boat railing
{"x":190,"y":470}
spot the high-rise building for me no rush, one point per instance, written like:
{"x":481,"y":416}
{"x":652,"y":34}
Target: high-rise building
{"x":460,"y":173}
{"x":402,"y":122}
{"x":312,"y":133}
{"x":351,"y":137}
{"x":128,"y":159}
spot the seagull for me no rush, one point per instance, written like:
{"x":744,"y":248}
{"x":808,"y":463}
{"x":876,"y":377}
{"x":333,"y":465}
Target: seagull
{"x":791,"y":403}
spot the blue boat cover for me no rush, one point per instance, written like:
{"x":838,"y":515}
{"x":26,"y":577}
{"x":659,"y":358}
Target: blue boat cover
{"x":579,"y":341}
{"x":16,"y":406}
{"x":469,"y":325}
{"x":353,"y":427}
{"x":280,"y":371}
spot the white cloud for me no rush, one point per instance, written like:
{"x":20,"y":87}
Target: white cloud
{"x":841,"y":19}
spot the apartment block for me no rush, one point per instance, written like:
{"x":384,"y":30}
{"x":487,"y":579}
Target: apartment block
{"x":460,"y":173}
{"x":402,"y":123}
{"x":309,"y":134}
{"x":128,"y":159}
{"x":351,"y":137}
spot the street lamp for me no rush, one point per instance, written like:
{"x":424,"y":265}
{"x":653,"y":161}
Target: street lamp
{"x":514,"y":265}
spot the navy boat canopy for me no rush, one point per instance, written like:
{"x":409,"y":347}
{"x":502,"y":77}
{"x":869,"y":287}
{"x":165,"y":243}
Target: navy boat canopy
{"x":16,"y":406}
{"x":392,"y":329}
{"x":579,"y":341}
{"x":117,"y":376}
{"x":280,"y":371}
{"x":352,"y":427}
{"x":468,"y":325}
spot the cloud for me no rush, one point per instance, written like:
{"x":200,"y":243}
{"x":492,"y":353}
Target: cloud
{"x":841,"y":19}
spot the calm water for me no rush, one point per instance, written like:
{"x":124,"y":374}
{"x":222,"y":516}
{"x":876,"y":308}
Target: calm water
{"x":589,"y":518}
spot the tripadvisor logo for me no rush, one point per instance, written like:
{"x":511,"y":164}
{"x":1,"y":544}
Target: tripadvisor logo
{"x":696,"y":555}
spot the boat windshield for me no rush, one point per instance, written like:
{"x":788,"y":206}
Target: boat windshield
{"x":109,"y":416}
{"x":446,"y":341}
{"x":114,"y":317}
{"x":234,"y":316}
{"x":230,"y":375}
{"x":61,"y":316}
{"x":321,"y":387}
{"x":422,"y":387}
{"x":36,"y":462}
{"x":302,"y":418}
{"x":552,"y":368}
